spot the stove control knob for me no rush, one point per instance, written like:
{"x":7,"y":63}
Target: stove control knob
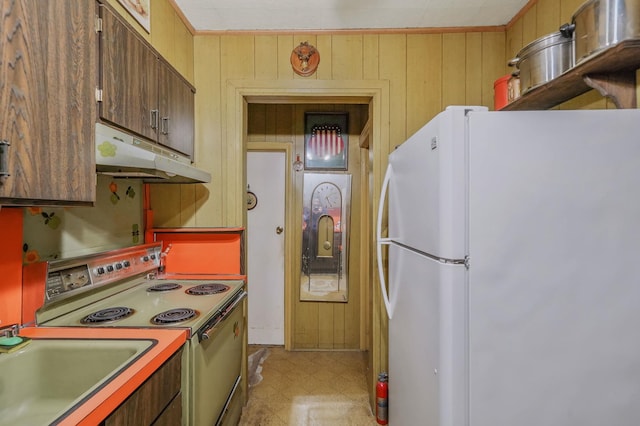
{"x":118,"y":266}
{"x":109,"y":268}
{"x":145,"y":259}
{"x":153,"y":257}
{"x":126,"y":263}
{"x":100,"y":270}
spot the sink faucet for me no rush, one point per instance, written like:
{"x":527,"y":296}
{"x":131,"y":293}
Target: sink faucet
{"x":163,"y":256}
{"x":9,"y":339}
{"x":10,"y":330}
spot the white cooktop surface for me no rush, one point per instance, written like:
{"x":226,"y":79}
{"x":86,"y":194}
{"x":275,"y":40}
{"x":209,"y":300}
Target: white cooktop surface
{"x":147,"y":304}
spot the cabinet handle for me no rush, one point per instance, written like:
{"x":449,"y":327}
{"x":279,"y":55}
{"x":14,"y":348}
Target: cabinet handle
{"x":164,"y":129}
{"x":4,"y":160}
{"x":154,"y":119}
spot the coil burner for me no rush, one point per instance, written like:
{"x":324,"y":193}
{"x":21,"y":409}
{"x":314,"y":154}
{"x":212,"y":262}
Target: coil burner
{"x":107,"y":315}
{"x":174,"y":315}
{"x":164,"y":287}
{"x":205,"y":289}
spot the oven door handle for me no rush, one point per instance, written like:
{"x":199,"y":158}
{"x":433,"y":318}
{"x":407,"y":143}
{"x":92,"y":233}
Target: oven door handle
{"x":211,"y":328}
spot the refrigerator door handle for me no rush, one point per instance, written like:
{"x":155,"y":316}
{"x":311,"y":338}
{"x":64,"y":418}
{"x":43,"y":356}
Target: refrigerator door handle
{"x":381,"y":241}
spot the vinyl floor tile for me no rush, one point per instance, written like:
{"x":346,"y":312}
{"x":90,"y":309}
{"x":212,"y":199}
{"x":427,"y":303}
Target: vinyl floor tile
{"x":324,"y":388}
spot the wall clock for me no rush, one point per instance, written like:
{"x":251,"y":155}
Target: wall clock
{"x":252,"y":200}
{"x":325,"y":228}
{"x":329,"y":195}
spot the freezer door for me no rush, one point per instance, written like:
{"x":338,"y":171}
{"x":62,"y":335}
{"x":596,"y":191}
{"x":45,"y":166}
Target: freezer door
{"x":427,"y":198}
{"x":427,"y":335}
{"x":554,"y":300}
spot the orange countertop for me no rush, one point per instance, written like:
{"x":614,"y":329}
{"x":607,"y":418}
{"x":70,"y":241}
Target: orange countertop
{"x":112,"y":394}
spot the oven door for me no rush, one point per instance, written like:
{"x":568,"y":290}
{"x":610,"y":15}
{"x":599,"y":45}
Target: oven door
{"x":217,"y":363}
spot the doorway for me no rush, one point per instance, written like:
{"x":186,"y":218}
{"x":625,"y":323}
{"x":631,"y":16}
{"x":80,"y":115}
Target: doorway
{"x":320,"y":314}
{"x":266,"y":246}
{"x":313,"y":324}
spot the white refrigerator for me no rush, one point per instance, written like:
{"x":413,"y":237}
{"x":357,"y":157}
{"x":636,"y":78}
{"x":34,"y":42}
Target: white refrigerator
{"x":513,"y":288}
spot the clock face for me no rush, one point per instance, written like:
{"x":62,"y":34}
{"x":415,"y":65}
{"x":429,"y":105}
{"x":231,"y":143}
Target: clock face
{"x":252,"y":200}
{"x":329,"y":195}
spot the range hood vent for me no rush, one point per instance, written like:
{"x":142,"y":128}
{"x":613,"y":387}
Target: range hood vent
{"x":122,"y":155}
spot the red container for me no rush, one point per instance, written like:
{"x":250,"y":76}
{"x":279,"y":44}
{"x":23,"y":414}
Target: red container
{"x":501,"y":92}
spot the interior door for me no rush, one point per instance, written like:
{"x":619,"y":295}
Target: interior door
{"x":266,"y":242}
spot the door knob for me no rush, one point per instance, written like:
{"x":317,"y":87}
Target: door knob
{"x":279,"y":230}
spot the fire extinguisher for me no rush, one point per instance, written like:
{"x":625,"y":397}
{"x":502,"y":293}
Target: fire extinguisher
{"x":382,"y":399}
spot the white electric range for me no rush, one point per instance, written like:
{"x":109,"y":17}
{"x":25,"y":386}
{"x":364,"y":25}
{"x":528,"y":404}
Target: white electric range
{"x":125,"y":288}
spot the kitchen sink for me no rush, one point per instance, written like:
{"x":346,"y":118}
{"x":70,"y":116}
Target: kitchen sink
{"x":48,"y":378}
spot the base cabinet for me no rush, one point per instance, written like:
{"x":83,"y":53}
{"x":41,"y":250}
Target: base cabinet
{"x":172,"y":415}
{"x":48,"y":76}
{"x":158,"y":401}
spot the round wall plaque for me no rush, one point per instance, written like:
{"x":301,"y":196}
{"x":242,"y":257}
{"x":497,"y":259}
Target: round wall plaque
{"x":305,"y":59}
{"x":252,"y":200}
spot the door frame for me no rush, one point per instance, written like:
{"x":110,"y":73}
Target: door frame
{"x":376,"y":93}
{"x":287,"y":149}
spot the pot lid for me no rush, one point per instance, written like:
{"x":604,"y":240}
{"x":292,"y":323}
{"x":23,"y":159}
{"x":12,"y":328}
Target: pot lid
{"x":541,"y":43}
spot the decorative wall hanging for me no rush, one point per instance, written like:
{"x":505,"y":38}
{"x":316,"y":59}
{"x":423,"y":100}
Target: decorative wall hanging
{"x":252,"y":200}
{"x":140,"y":10}
{"x":325,"y":237}
{"x":298,"y":165}
{"x":326,"y":141}
{"x":305,"y":59}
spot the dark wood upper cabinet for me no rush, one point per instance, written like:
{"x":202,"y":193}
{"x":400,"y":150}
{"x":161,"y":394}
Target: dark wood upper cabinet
{"x":129,"y":75}
{"x":48,"y":76}
{"x":141,"y":92}
{"x":176,"y":129}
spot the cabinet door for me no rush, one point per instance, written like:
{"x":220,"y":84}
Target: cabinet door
{"x":156,"y":395}
{"x":48,"y":63}
{"x":129,"y":78}
{"x":176,"y":111}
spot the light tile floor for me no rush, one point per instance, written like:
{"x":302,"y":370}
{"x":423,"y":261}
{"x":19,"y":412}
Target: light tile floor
{"x":306,"y":388}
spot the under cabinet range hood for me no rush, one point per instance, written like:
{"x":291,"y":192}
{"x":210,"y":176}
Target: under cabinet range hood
{"x":122,"y":155}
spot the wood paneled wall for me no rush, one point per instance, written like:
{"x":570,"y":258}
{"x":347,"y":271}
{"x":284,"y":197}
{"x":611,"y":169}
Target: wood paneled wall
{"x":426,"y":72}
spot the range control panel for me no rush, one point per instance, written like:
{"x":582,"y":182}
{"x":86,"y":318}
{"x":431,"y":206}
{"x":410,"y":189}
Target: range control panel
{"x":71,"y":276}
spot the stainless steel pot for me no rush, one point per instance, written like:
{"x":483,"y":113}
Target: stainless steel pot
{"x":599,"y":24}
{"x":543,"y":60}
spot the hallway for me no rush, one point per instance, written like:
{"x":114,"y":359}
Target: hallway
{"x":306,"y":388}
